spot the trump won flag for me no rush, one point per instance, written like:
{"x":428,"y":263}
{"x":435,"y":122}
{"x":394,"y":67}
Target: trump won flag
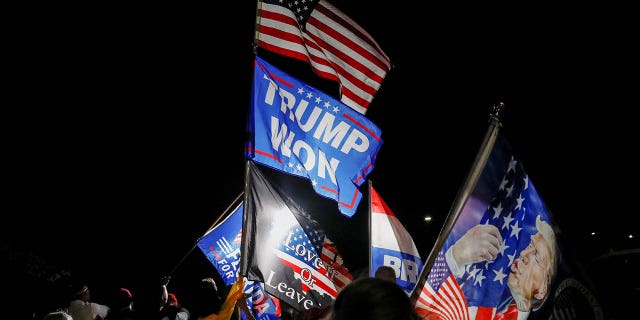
{"x":300,"y":130}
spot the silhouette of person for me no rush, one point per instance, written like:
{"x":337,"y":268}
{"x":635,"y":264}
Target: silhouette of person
{"x":373,"y":299}
{"x":123,"y":306}
{"x":385,"y":273}
{"x":81,"y":307}
{"x":208,"y":300}
{"x":173,"y":310}
{"x":57,"y":315}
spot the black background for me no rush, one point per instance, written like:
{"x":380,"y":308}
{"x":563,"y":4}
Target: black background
{"x":124,"y":136}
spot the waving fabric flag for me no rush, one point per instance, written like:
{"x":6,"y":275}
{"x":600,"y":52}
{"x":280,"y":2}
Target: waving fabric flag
{"x":335,"y":46}
{"x":221,"y":246}
{"x":391,"y":244}
{"x":284,"y":248}
{"x":299,"y":130}
{"x":500,"y":257}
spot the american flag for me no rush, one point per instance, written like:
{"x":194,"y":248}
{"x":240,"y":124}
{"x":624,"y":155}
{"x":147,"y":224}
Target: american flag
{"x":441,"y":294}
{"x":513,"y":206}
{"x":334,"y":265}
{"x":332,"y":275}
{"x":335,"y":46}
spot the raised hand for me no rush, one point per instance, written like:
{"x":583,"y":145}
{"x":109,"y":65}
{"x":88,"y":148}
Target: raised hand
{"x":480,"y":243}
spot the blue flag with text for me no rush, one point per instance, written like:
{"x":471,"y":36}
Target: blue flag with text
{"x":221,"y":246}
{"x":302,"y":131}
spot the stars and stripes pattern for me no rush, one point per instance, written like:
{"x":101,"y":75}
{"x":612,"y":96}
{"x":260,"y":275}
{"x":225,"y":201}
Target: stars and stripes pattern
{"x":331,"y":275}
{"x":441,"y":294}
{"x":482,"y":291}
{"x":334,"y":265}
{"x":335,"y":46}
{"x":299,"y":252}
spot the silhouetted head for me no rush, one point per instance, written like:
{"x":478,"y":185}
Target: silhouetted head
{"x":386,"y":273}
{"x":373,"y":299}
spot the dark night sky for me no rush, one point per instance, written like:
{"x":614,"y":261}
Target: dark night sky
{"x":124,"y":137}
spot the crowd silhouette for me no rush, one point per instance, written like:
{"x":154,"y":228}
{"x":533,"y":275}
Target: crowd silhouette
{"x":369,"y":297}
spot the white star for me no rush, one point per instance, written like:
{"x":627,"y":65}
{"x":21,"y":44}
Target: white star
{"x":318,"y":100}
{"x":507,"y":220}
{"x":515,"y":230}
{"x":479,"y":279}
{"x":499,"y":275}
{"x":511,"y":257}
{"x":509,"y":191}
{"x":526,"y":182}
{"x":326,"y":104}
{"x":336,"y":109}
{"x":487,"y":264}
{"x":503,"y":183}
{"x":512,"y":164}
{"x":309,"y":95}
{"x":497,"y":210}
{"x":503,"y":246}
{"x":519,"y":202}
{"x":472,"y":272}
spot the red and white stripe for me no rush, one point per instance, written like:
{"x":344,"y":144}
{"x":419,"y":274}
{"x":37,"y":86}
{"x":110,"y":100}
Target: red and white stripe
{"x":448,"y":303}
{"x":335,"y":46}
{"x":333,"y":260}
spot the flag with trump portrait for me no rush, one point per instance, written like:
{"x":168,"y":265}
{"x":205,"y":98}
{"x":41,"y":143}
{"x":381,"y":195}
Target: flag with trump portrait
{"x":299,"y":130}
{"x":392,"y":245}
{"x":286,"y":250}
{"x":335,"y":46}
{"x":221,"y":246}
{"x":500,"y":257}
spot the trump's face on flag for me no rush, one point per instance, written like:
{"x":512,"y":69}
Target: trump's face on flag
{"x":531,"y":274}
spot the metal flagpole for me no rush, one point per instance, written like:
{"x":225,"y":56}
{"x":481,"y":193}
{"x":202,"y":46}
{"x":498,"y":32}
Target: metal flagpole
{"x":255,"y":34}
{"x":369,"y":223}
{"x":224,"y":214}
{"x":245,"y":234}
{"x":462,"y":196}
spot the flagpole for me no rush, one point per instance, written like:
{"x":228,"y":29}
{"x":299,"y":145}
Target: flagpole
{"x":224,"y":214}
{"x":245,"y":234}
{"x":463,"y":194}
{"x":255,"y":28}
{"x":369,"y":223}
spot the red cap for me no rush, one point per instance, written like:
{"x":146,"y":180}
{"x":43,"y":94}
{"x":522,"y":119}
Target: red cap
{"x":172,"y":299}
